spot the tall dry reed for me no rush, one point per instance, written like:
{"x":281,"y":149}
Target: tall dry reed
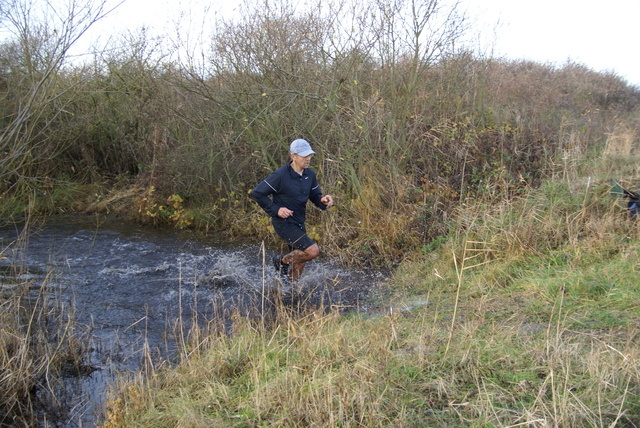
{"x":40,"y":343}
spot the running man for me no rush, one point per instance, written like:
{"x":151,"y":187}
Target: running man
{"x":290,"y":187}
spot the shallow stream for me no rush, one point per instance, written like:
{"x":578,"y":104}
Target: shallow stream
{"x":132,"y":288}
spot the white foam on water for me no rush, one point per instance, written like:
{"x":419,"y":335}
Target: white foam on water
{"x":135,"y":270}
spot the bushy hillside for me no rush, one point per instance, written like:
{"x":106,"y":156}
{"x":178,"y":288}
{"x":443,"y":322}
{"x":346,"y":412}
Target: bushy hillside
{"x":407,"y":125}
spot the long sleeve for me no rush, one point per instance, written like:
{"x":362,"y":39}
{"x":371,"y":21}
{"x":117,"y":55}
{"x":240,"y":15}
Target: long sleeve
{"x":262,"y":192}
{"x":286,"y":188}
{"x":316,"y":194}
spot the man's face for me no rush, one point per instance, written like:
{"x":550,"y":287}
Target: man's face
{"x":300,"y":161}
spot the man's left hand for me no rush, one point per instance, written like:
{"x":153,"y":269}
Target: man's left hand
{"x":327,"y":200}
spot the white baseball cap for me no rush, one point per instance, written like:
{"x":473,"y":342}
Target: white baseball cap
{"x":301,"y":147}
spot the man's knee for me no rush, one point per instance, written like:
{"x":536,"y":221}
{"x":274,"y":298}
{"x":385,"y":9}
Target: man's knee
{"x":312,"y":252}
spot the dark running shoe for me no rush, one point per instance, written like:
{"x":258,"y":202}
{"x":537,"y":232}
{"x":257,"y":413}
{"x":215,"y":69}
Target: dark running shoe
{"x":281,"y":268}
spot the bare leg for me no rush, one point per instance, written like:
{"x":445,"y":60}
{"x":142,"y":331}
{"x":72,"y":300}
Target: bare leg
{"x":297,"y":259}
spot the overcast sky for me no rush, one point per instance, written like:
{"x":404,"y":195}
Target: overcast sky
{"x":602,"y":34}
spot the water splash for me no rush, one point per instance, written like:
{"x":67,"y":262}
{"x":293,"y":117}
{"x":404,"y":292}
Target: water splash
{"x":129,"y":286}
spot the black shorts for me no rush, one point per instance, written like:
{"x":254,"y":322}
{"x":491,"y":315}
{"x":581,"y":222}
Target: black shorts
{"x":295,"y":235}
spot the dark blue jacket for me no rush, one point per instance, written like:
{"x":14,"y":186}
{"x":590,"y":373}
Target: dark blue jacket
{"x":288,"y":189}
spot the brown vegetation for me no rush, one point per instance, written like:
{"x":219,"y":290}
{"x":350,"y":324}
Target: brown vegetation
{"x":404,"y":122}
{"x":39,"y":342}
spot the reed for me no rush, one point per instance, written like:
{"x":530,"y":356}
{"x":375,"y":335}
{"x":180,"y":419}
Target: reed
{"x":39,"y":344}
{"x":396,"y":369}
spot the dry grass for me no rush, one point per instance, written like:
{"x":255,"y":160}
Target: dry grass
{"x":39,"y":341}
{"x":500,"y":369}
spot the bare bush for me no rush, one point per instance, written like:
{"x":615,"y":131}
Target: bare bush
{"x":34,"y":93}
{"x":394,"y":104}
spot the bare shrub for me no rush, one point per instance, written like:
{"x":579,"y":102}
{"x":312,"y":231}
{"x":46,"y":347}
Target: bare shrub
{"x":34,"y":92}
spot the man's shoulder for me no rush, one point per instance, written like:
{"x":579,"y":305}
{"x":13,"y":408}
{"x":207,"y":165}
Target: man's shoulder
{"x":280,"y":171}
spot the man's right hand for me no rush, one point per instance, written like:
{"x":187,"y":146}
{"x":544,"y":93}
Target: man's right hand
{"x":284,"y":212}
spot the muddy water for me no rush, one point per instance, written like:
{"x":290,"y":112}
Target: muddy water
{"x":132,"y":288}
